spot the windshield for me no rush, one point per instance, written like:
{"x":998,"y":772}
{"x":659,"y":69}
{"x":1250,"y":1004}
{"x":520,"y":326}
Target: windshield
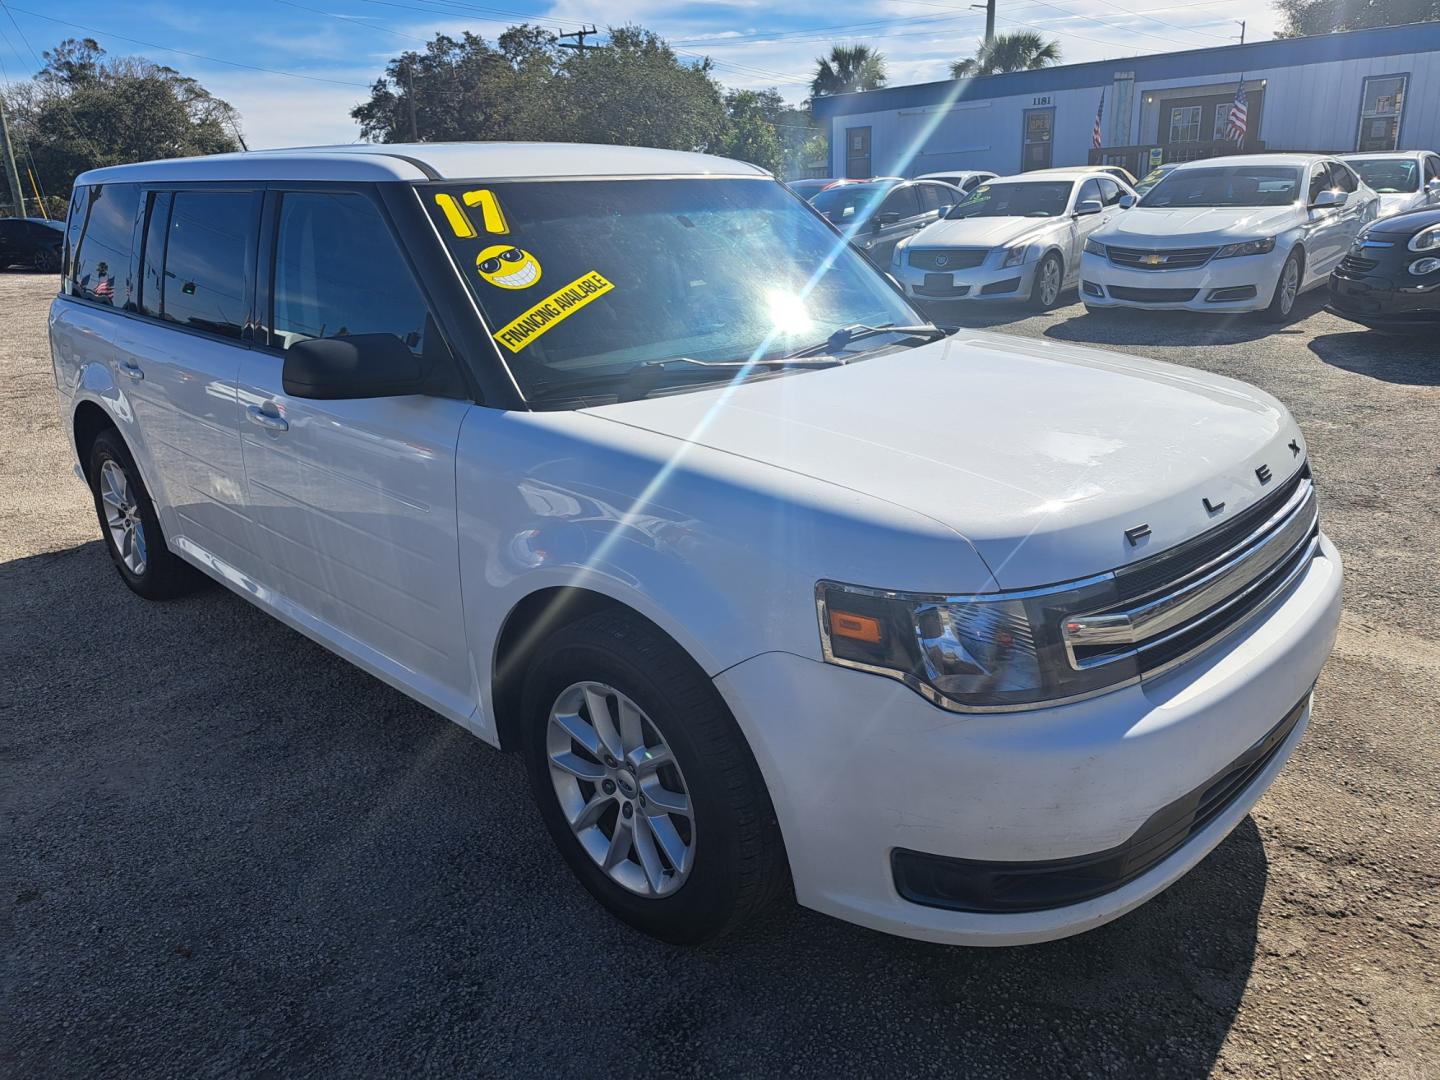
{"x":1388,"y":175}
{"x":1227,"y":185}
{"x":849,"y":203}
{"x":1029,"y":199}
{"x":1150,"y":179}
{"x":581,"y":281}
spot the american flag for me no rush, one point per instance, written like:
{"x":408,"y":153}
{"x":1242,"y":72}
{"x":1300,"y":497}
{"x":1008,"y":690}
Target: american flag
{"x":1095,"y":139}
{"x":1239,"y":115}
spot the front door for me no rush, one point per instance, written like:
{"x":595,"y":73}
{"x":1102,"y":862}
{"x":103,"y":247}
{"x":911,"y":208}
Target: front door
{"x":857,"y":153}
{"x":356,"y":497}
{"x":1038,"y":139}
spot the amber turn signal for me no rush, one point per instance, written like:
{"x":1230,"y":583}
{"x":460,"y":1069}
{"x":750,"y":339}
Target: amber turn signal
{"x":855,"y":627}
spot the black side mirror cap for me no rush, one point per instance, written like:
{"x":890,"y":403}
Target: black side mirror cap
{"x":355,"y":366}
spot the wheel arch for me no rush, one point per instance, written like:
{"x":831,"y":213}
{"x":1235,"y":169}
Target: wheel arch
{"x":89,"y":419}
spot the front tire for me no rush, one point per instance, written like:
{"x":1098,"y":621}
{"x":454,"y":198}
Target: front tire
{"x":130,"y":526}
{"x":1049,"y":282}
{"x":645,"y":783}
{"x":1287,"y":289}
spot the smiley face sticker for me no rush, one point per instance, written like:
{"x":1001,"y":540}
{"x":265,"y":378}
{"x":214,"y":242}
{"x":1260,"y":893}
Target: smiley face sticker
{"x":508,"y":267}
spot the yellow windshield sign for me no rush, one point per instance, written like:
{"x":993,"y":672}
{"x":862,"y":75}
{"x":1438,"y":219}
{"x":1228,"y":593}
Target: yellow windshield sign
{"x":553,"y":310}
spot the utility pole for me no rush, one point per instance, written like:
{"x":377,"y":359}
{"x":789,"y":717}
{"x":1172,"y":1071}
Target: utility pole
{"x":410,"y":99}
{"x":1242,"y":30}
{"x":12,"y":174}
{"x":579,"y":35}
{"x":989,"y":7}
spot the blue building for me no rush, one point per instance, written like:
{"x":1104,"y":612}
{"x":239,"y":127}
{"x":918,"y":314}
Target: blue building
{"x":1362,"y":90}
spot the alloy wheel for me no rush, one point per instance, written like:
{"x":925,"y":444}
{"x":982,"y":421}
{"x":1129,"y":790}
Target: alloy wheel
{"x":1289,"y":287}
{"x":1049,"y":282}
{"x":122,"y":517}
{"x":620,"y":789}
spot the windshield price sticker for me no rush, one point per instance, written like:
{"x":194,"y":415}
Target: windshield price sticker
{"x":553,"y":310}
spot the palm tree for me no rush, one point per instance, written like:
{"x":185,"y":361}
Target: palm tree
{"x":1023,"y":50}
{"x":848,"y":68}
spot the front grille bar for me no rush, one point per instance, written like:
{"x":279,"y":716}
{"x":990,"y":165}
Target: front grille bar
{"x":1201,"y":596}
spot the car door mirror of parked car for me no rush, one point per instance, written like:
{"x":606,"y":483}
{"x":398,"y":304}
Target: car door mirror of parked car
{"x":1328,"y":199}
{"x":1433,"y":184}
{"x":1126,"y":201}
{"x":1089,"y":206}
{"x":355,"y":366}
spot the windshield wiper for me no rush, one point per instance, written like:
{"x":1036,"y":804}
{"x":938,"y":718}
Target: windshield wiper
{"x":649,"y":375}
{"x":847,"y":334}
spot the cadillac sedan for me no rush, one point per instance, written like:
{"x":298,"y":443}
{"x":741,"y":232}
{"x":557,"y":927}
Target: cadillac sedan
{"x":1405,"y":180}
{"x":1017,"y":238}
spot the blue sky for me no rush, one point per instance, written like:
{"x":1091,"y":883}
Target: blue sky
{"x":331,"y":50}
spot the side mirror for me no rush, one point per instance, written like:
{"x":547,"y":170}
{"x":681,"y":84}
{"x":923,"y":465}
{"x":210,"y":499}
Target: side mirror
{"x":1433,"y":184}
{"x":1127,"y":200}
{"x":357,"y":366}
{"x":1327,"y":199}
{"x":1089,"y":206}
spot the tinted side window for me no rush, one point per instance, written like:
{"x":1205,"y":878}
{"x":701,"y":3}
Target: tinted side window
{"x":74,"y":221}
{"x":152,"y":265}
{"x":930,"y":197}
{"x":209,"y":243}
{"x":102,"y":264}
{"x":1109,"y":191}
{"x":1090,"y":190}
{"x":1432,"y":168}
{"x":338,"y":272}
{"x":1319,"y":181}
{"x":1342,"y":178}
{"x":901,"y":201}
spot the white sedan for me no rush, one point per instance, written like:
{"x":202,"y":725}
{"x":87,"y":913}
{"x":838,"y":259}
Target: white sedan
{"x":1244,"y":233}
{"x":1405,"y":180}
{"x":1016,"y":238}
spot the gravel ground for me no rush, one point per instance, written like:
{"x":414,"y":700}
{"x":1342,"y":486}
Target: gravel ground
{"x":226,"y":851}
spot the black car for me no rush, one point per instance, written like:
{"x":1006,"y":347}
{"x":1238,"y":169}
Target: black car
{"x":31,"y":242}
{"x":1390,"y":279}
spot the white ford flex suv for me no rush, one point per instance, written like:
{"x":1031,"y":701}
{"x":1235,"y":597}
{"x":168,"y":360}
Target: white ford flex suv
{"x":622,"y":459}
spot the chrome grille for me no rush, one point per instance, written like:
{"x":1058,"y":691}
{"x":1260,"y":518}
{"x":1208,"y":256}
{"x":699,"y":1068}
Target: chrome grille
{"x":1354,"y":264}
{"x":1209,"y":587}
{"x":947,"y":258}
{"x":1160,"y":258}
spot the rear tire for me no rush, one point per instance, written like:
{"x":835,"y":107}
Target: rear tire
{"x":48,"y":262}
{"x":1287,"y":288}
{"x":703,"y":853}
{"x":129,"y":525}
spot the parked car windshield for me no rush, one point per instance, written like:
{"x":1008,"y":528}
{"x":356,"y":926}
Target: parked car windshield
{"x":1017,"y":199}
{"x":582,"y":281}
{"x":1226,"y":185}
{"x":850,"y":203}
{"x":1387,"y":175}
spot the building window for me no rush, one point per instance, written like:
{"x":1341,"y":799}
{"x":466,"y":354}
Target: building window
{"x":1382,"y":104}
{"x":1185,"y":124}
{"x":1222,"y":121}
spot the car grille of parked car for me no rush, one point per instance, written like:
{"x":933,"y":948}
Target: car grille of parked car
{"x":1353,"y":264}
{"x":1155,"y":259}
{"x":947,"y":258}
{"x":1178,"y":602}
{"x":1152,"y":296}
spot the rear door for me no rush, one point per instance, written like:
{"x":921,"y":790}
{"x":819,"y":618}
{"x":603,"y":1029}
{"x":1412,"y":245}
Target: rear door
{"x":355,"y":498}
{"x":898,"y":216}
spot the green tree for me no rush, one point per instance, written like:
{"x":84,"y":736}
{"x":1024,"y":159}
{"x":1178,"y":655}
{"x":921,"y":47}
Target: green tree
{"x":633,"y":90}
{"x":767,"y":131}
{"x":85,"y":110}
{"x":1326,"y":16}
{"x":847,"y":69}
{"x":1023,"y":50}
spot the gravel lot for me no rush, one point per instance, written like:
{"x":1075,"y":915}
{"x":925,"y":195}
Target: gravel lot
{"x":225,"y":851}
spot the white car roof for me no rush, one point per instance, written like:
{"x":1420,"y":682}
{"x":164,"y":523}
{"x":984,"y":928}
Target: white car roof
{"x":427,"y":161}
{"x":1299,"y":161}
{"x":954,"y":172}
{"x":1048,"y":176}
{"x":1397,"y":154}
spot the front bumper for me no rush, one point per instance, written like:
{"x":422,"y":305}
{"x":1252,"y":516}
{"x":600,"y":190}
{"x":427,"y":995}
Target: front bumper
{"x":860,"y":767}
{"x":977,"y":283}
{"x":1251,"y":278}
{"x":1386,"y":299}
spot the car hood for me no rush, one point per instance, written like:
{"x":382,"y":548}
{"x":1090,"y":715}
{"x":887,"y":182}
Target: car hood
{"x":1040,"y":454}
{"x":1145,"y":227}
{"x":980,"y":232}
{"x":1396,"y":202}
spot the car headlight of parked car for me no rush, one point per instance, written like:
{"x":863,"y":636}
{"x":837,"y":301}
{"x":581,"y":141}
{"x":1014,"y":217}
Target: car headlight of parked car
{"x":1249,"y":247}
{"x":1018,"y":254}
{"x":969,"y":653}
{"x":1426,"y":239}
{"x":1094,"y":247}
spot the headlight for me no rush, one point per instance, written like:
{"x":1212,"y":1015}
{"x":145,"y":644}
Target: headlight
{"x":1016,"y":255}
{"x":994,"y":652}
{"x":1249,"y":247}
{"x":1426,"y":239}
{"x":1421,"y":267}
{"x":1094,"y":247}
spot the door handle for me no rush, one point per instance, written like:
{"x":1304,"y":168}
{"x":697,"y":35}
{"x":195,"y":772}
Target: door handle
{"x":259,"y":416}
{"x":131,"y":370}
